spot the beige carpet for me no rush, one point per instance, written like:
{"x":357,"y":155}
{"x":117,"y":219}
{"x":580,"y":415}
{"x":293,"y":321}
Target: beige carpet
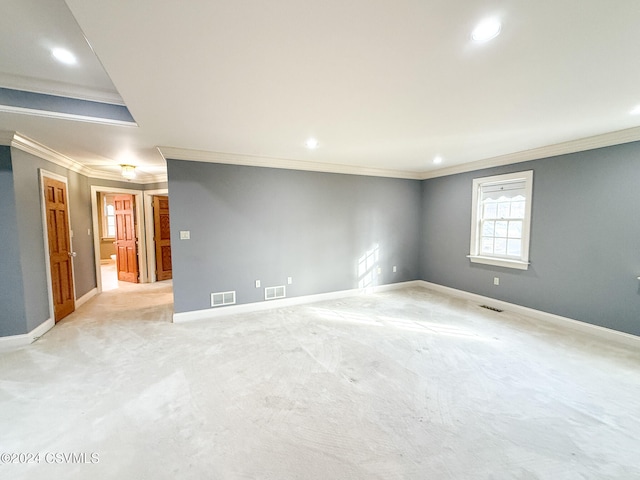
{"x":401,"y":385}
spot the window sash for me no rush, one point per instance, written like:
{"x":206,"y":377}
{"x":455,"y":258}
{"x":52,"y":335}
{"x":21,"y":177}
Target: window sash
{"x":501,"y":219}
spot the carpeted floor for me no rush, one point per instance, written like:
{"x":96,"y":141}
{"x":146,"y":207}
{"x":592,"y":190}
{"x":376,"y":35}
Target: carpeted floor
{"x":409,"y":384}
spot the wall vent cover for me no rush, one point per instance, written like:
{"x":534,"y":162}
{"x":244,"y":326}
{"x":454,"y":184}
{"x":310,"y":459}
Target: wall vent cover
{"x":271,"y":293}
{"x":223,"y":298}
{"x":494,"y":309}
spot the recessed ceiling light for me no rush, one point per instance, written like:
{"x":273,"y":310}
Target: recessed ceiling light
{"x":635,"y":111}
{"x":64,"y":56}
{"x":486,"y":30}
{"x":437,"y":160}
{"x":311,"y":143}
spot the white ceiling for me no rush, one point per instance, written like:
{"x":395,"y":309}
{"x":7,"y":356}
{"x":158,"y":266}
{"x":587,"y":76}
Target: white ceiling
{"x":381,"y":84}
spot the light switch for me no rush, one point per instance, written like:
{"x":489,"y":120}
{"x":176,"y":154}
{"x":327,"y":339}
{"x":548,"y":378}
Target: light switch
{"x":185,"y":235}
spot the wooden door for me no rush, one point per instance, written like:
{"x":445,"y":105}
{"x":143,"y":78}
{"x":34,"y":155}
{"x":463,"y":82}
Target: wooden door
{"x":60,"y":254}
{"x":126,"y":241}
{"x":162,"y":237}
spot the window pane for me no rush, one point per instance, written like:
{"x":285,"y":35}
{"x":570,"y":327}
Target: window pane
{"x":514,"y":247}
{"x":490,"y":210}
{"x":517,"y":209}
{"x":110,"y":210}
{"x":501,"y":229}
{"x":488,"y":228}
{"x":500,"y":246}
{"x":487,"y":245}
{"x":515,"y":229}
{"x":111,"y":231}
{"x":503,"y":209}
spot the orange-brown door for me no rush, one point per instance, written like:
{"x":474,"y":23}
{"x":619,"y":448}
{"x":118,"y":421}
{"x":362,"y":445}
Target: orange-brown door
{"x":162,"y":237}
{"x":126,"y":241}
{"x":60,"y":254}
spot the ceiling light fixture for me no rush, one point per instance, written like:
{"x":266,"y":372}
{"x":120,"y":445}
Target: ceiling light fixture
{"x":486,"y":30}
{"x":437,"y":160}
{"x":128,"y":171}
{"x":635,"y":111}
{"x":64,"y":56}
{"x":311,"y":144}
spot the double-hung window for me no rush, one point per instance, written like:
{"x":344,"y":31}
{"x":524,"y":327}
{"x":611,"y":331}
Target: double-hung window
{"x":501,"y":220}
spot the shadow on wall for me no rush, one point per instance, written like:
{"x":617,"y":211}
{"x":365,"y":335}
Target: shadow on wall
{"x":367,"y":267}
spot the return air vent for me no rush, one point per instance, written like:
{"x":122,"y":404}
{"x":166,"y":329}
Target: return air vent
{"x":223,"y":298}
{"x":494,"y":309}
{"x":271,"y":293}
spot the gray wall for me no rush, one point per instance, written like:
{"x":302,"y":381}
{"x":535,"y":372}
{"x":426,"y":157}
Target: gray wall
{"x":585,"y":238}
{"x":250,"y":223}
{"x":12,"y":309}
{"x":26,"y":177}
{"x":24,"y":303}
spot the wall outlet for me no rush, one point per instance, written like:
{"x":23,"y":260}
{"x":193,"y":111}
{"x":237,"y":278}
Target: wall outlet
{"x":88,"y":231}
{"x":289,"y":280}
{"x":185,"y":234}
{"x":496,"y":280}
{"x":257,"y":283}
{"x":395,"y":269}
{"x":379,"y":270}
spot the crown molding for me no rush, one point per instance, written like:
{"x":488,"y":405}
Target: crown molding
{"x":66,"y":116}
{"x":618,"y":137}
{"x":28,"y":145}
{"x":61,"y":89}
{"x":271,"y":162}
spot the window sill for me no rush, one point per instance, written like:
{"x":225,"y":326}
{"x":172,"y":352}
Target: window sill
{"x":499,"y":262}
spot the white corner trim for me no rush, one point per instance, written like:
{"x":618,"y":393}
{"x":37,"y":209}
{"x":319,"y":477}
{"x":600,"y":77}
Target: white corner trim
{"x":211,"y":313}
{"x":66,"y":116}
{"x":86,"y":297}
{"x":60,"y":89}
{"x":582,"y":144}
{"x":270,"y":162}
{"x":28,"y":145}
{"x":562,"y":322}
{"x":16,"y":341}
{"x":499,"y":262}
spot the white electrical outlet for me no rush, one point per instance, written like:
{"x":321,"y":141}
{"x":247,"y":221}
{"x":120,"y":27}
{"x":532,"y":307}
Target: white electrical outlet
{"x":379,"y":270}
{"x":257,"y":283}
{"x":185,"y":234}
{"x":496,"y":280}
{"x":289,"y":280}
{"x":395,"y":269}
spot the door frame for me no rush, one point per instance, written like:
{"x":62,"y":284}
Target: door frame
{"x":43,"y":207}
{"x":148,"y":215}
{"x":140,"y":230}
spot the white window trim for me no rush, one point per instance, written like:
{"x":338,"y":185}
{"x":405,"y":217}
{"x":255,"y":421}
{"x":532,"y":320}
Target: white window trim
{"x":523,"y":262}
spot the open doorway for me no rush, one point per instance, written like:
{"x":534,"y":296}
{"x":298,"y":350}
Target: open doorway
{"x":132,"y":241}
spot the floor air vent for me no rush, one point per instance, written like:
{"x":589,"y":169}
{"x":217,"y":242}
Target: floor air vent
{"x":494,"y":309}
{"x":271,"y":293}
{"x":223,"y":298}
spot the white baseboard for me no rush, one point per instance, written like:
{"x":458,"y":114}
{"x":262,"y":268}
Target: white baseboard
{"x":86,"y":297}
{"x":16,"y":341}
{"x":218,"y":312}
{"x":564,"y":322}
